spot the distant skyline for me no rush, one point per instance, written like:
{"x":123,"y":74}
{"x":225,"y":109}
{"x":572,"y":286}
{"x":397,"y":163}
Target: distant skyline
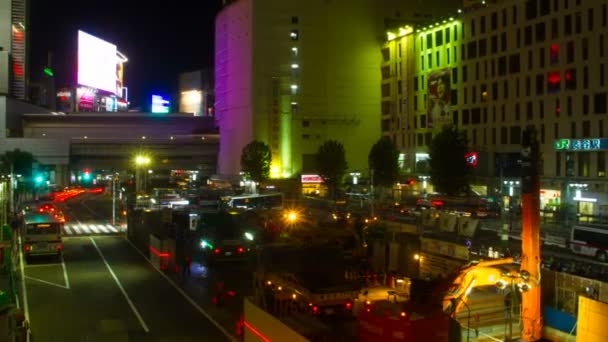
{"x":160,"y":41}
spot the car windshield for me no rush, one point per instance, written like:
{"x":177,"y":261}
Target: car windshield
{"x":222,"y":225}
{"x":42,"y":228}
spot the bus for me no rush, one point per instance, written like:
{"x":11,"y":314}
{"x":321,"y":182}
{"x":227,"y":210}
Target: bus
{"x":257,"y":201}
{"x":590,"y":240}
{"x":41,"y":234}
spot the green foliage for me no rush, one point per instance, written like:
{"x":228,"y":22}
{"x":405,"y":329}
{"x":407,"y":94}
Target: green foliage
{"x":383,"y":159}
{"x":255,"y":160}
{"x":331,"y":164}
{"x":20,"y":160}
{"x":448,"y":168}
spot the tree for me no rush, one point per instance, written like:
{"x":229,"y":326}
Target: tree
{"x":331,"y":164}
{"x":20,"y":163}
{"x":383,"y":160}
{"x":255,"y":161}
{"x":448,"y":168}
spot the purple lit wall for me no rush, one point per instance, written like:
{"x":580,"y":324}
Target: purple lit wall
{"x":233,"y":82}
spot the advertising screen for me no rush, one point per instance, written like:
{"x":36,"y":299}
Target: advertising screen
{"x":439,"y":99}
{"x":96,"y":63}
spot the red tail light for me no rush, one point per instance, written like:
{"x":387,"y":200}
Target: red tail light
{"x":59,"y":247}
{"x":217,"y":251}
{"x":41,"y":210}
{"x":28,"y":248}
{"x":240,"y":250}
{"x":315,"y":309}
{"x":348,"y":305}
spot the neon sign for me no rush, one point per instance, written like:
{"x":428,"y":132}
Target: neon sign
{"x":581,"y":144}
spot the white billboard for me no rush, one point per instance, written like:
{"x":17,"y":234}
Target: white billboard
{"x":96,"y":63}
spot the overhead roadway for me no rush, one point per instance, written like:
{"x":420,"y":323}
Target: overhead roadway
{"x":111,"y":140}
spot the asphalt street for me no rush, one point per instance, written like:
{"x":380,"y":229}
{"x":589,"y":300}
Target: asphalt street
{"x":104,"y":289}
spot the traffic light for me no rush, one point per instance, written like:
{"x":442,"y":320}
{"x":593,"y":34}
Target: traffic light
{"x":86,"y":175}
{"x":38,"y":179}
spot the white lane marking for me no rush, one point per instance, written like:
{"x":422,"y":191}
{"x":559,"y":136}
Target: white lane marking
{"x":46,"y":282}
{"x":65,"y":273}
{"x":26,"y":309}
{"x":122,"y":289}
{"x":84,"y":228}
{"x":103,"y":228}
{"x":40,"y":265}
{"x":190,"y":300}
{"x":67,"y":230}
{"x":112,"y":228}
{"x":93,"y":228}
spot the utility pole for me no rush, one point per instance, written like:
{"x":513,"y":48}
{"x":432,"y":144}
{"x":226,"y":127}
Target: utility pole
{"x":530,"y":235}
{"x":372,"y":192}
{"x":113,"y":200}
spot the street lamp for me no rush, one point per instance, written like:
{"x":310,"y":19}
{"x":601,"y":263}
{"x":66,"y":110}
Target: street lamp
{"x":141,"y":160}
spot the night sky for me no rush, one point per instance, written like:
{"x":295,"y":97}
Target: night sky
{"x":160,"y":38}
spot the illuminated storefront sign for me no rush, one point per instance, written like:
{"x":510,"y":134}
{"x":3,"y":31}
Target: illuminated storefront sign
{"x":581,"y":144}
{"x":312,"y":179}
{"x":160,"y":104}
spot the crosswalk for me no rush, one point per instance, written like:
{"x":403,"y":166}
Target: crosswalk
{"x":90,"y":228}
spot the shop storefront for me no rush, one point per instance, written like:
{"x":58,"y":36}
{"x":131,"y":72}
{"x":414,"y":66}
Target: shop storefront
{"x":313,"y":185}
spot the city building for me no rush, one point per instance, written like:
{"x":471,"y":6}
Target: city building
{"x":493,"y":68}
{"x":295,"y":74}
{"x":13,"y":48}
{"x":196,"y":92}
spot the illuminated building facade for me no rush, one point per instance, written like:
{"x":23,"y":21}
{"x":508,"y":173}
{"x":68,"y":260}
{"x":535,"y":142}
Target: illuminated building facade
{"x":295,"y":74}
{"x":13,"y":48}
{"x":494,"y":68}
{"x":196,"y":92}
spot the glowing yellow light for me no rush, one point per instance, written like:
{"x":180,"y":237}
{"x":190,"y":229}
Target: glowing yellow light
{"x":294,"y":296}
{"x":269,"y":283}
{"x":280,"y":288}
{"x":368,"y":302}
{"x":403,"y":314}
{"x":274,"y":171}
{"x":416,"y":257}
{"x":390,"y":35}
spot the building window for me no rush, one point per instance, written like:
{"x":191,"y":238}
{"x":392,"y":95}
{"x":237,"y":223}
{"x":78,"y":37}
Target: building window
{"x":528,"y":35}
{"x":398,"y":87}
{"x":455,"y":33}
{"x":294,"y":20}
{"x":429,"y":41}
{"x":455,"y":118}
{"x":585,"y":104}
{"x":599,"y":103}
{"x":554,"y":28}
{"x":601,"y":74}
{"x":569,"y":105}
{"x":601,"y":45}
{"x":464,"y":74}
{"x":540,"y":32}
{"x":528,"y":85}
{"x":447,"y":34}
{"x":541,"y":58}
{"x":570,"y":52}
{"x":465,"y":117}
{"x":541,"y":109}
{"x":529,"y":111}
{"x":415,"y":83}
{"x":556,"y":131}
{"x":482,"y":25}
{"x":573,"y":130}
{"x":583,"y":164}
{"x":586,"y":129}
{"x":600,"y":126}
{"x":305,"y":123}
{"x":505,"y":89}
{"x":604,"y":15}
{"x":514,"y":63}
{"x":437,"y":59}
{"x":554,"y":54}
{"x":430,"y":60}
{"x":570,"y":76}
{"x":503,"y":116}
{"x":590,"y":19}
{"x":503,"y":41}
{"x":585,"y":48}
{"x":472,"y":28}
{"x":531,"y":12}
{"x":554,"y":81}
{"x":585,"y":77}
{"x":542,"y":134}
{"x":502,"y":66}
{"x":515,"y":135}
{"x":577,"y":23}
{"x":454,"y":96}
{"x":558,"y":163}
{"x":557,"y":108}
{"x":514,"y":15}
{"x":503,"y":135}
{"x":517,"y":112}
{"x":494,"y":91}
{"x":438,"y":37}
{"x":568,"y":25}
{"x":601,"y":164}
{"x":540,"y":84}
{"x":454,"y":75}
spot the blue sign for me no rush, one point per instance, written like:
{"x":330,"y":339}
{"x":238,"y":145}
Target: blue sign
{"x":160,"y":104}
{"x":597,"y":144}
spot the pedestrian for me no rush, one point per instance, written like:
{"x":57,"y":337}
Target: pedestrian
{"x":186,"y":264}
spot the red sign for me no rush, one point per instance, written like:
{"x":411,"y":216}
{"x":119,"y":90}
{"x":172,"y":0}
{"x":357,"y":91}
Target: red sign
{"x":312,"y":179}
{"x":472,"y":159}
